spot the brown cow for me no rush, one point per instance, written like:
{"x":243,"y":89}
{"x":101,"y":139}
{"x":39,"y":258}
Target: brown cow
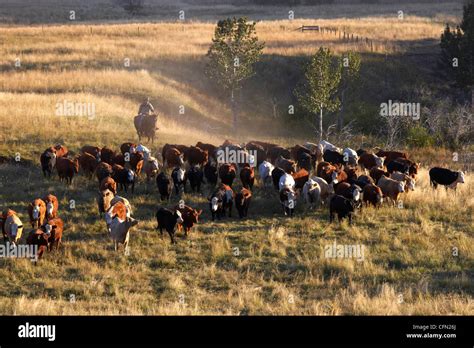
{"x":247,"y":176}
{"x":37,"y":212}
{"x":196,"y":156}
{"x":275,"y":152}
{"x":300,"y":178}
{"x":125,"y":147}
{"x":119,"y":159}
{"x":173,"y":158}
{"x":52,"y":206}
{"x":242,"y":202}
{"x":54,"y":228}
{"x":266,"y":146}
{"x":92,"y":150}
{"x":61,"y":150}
{"x":391,"y":155}
{"x":103,"y":170}
{"x":108,"y":183}
{"x":67,"y":168}
{"x":190,"y":217}
{"x":289,"y":166}
{"x":369,"y":160}
{"x":377,"y":173}
{"x":87,"y":163}
{"x":107,"y":155}
{"x":211,"y":149}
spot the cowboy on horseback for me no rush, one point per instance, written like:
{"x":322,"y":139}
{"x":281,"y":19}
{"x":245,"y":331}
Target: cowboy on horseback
{"x":146,"y":108}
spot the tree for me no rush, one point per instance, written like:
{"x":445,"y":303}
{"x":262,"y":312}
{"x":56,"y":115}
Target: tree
{"x":234,"y":50}
{"x":319,"y":90}
{"x":349,"y":73}
{"x":457,"y":50}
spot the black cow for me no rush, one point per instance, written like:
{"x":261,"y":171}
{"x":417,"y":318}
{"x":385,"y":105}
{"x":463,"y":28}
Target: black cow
{"x":124,"y":177}
{"x":445,"y":177}
{"x":306,"y":160}
{"x":341,"y":206}
{"x":48,"y":162}
{"x":164,"y":186}
{"x":361,"y":181}
{"x":179,"y":179}
{"x":195,"y":177}
{"x":396,"y":166}
{"x":168,"y":219}
{"x":276,"y":175}
{"x":333,"y":157}
{"x":210,"y":172}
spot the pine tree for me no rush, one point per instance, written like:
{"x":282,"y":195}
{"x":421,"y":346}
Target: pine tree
{"x":234,"y":50}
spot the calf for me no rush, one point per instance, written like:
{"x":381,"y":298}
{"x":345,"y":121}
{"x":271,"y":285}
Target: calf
{"x":312,"y":193}
{"x":54,"y":229}
{"x":210,"y":172}
{"x":445,"y":177}
{"x":179,"y":179}
{"x":391,"y":188}
{"x":227,"y":173}
{"x":265,"y":170}
{"x":52,"y":206}
{"x":372,"y":194}
{"x":67,"y":168}
{"x":124,"y":177}
{"x":190,"y":217}
{"x":247,"y":176}
{"x":39,"y":239}
{"x":195,"y":176}
{"x":120,"y":231}
{"x":221,"y":200}
{"x":37,"y":212}
{"x":48,"y":162}
{"x":288,"y":200}
{"x":341,"y":206}
{"x":167,"y":220}
{"x":242,"y":202}
{"x":163,"y":183}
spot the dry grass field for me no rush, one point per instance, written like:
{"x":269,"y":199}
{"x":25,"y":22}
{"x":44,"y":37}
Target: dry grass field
{"x":264,"y":265}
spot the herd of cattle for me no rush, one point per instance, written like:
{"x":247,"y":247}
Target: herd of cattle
{"x":317,"y":174}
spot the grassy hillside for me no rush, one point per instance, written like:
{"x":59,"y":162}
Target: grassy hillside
{"x":266,"y":264}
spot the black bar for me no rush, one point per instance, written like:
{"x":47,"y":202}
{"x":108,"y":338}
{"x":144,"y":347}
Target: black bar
{"x":132,"y":330}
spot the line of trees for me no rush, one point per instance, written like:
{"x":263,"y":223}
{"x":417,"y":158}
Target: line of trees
{"x":235,"y":49}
